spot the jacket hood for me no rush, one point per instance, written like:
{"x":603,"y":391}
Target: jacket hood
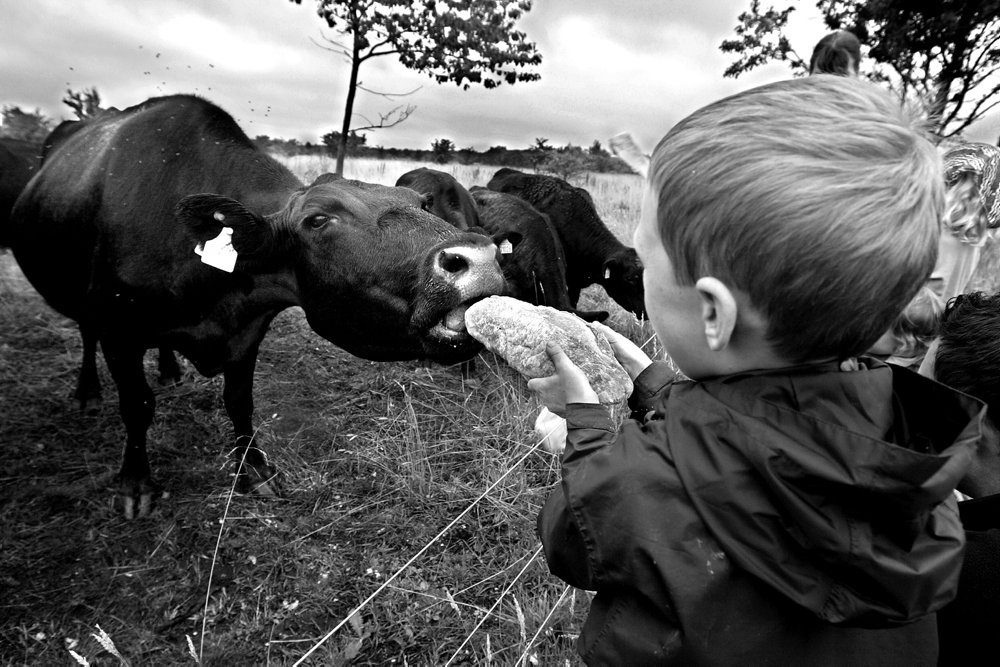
{"x":833,"y":487}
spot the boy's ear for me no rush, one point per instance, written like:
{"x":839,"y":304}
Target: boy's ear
{"x":718,"y":312}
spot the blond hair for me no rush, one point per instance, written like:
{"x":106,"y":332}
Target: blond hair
{"x":820,"y":198}
{"x":918,"y":324}
{"x":965,"y":217}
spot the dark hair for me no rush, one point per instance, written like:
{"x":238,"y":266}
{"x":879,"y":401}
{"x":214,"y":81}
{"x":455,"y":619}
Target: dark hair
{"x":968,"y":355}
{"x":837,"y":53}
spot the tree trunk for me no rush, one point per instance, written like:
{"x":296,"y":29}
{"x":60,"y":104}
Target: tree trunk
{"x":352,"y":89}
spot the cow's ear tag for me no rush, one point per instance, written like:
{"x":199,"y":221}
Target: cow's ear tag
{"x":506,"y":247}
{"x":607,"y":274}
{"x":219,"y":252}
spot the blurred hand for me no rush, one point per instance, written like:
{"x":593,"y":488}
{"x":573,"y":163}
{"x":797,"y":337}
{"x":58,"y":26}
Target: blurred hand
{"x":629,"y":355}
{"x":568,"y":385}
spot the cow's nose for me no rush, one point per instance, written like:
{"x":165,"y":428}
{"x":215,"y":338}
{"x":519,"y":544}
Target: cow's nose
{"x":453,"y":262}
{"x":472,"y":269}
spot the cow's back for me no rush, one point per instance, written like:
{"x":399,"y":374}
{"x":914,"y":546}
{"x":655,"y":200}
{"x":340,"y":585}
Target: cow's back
{"x":101,"y":209}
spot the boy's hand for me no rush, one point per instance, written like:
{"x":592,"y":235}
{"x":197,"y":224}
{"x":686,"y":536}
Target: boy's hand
{"x":568,"y":385}
{"x":629,"y":355}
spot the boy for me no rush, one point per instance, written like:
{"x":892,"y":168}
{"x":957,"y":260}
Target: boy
{"x":968,"y":359}
{"x":783,"y":509}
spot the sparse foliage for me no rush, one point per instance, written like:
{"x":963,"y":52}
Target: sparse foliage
{"x":354,"y":141}
{"x":84,"y":103}
{"x":946,"y":55}
{"x":460,"y":41}
{"x":566,"y":163}
{"x":31,"y":126}
{"x":443,"y":150}
{"x":540,"y":151}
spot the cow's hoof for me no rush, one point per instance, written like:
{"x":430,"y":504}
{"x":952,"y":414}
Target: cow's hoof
{"x":90,"y":406}
{"x":169,"y":380}
{"x":258,"y":481}
{"x":137,"y":497}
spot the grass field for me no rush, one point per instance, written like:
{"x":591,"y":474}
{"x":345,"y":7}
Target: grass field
{"x":406,"y":522}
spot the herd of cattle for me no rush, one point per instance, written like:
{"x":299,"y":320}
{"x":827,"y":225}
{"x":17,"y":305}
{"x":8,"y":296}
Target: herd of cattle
{"x":105,"y":224}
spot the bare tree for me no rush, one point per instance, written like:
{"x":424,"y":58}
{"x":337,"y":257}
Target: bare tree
{"x":85,"y":103}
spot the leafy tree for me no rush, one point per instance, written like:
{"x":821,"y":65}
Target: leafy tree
{"x":540,"y":151}
{"x":85,"y":103}
{"x":459,"y":41}
{"x":946,"y":53}
{"x":354,"y":143}
{"x":597,"y":150}
{"x":443,"y":150}
{"x":31,"y":126}
{"x":566,"y":162}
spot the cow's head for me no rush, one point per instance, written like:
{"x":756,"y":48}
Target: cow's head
{"x":622,"y":280}
{"x":374,"y":273}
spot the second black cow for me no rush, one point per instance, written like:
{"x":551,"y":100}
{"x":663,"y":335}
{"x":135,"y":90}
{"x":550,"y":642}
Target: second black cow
{"x":593,"y":253}
{"x":443,"y":196}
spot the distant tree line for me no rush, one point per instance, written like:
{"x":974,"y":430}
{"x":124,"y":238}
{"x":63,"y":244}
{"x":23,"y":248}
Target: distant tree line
{"x":565,"y":161}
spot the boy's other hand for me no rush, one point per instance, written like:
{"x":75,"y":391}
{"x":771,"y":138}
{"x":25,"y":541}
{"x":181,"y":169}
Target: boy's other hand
{"x":629,"y":355}
{"x":568,"y":385}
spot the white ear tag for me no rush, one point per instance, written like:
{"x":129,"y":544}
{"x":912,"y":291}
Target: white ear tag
{"x":607,"y":274}
{"x":506,"y":247}
{"x":219,"y":252}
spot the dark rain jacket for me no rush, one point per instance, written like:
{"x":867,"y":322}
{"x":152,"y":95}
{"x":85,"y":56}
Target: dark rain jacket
{"x":799,"y":517}
{"x":967,"y":626}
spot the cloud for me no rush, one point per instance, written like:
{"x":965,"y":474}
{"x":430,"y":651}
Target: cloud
{"x":639,"y":66}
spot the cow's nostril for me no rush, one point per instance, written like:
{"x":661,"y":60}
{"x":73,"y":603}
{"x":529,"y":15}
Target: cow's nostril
{"x":453,"y":262}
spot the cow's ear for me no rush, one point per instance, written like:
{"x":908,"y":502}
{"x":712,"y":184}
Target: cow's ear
{"x":507,"y":241}
{"x":205,"y":215}
{"x":426,"y":201}
{"x":612,"y":268}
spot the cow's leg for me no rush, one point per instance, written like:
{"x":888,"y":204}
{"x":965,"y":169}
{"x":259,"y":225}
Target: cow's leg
{"x":254,"y":473}
{"x":136,"y":403}
{"x":170,"y":371}
{"x":88,"y":385}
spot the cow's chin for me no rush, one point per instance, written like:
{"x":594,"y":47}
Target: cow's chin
{"x":448,"y":341}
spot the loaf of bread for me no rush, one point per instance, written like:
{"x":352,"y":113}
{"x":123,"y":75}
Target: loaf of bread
{"x":518,"y":331}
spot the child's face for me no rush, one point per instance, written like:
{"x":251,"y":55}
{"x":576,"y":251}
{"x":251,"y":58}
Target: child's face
{"x":674,"y":310}
{"x":885,"y":346}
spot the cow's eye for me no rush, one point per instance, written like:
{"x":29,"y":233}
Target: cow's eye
{"x":317,"y":221}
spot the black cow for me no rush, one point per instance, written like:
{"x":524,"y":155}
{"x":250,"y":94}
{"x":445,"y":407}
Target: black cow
{"x":120,"y":205}
{"x":18,"y":163}
{"x":535,"y":267}
{"x":593,"y":253}
{"x":444,"y":196}
{"x":88,"y":387}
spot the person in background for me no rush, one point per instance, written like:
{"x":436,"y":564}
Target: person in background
{"x":789,"y":504}
{"x":837,"y":53}
{"x":968,"y":359}
{"x":907,"y":341}
{"x":972,"y":177}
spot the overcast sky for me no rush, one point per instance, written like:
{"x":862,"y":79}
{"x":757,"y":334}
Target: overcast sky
{"x":631,"y":65}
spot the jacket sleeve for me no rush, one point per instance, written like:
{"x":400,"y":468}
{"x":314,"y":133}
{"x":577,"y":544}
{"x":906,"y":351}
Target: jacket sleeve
{"x":649,"y":387}
{"x":589,"y":427}
{"x":599,"y":528}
